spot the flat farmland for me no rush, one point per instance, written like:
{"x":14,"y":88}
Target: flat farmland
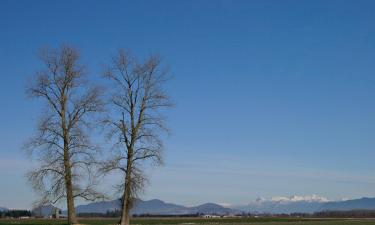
{"x":197,"y":221}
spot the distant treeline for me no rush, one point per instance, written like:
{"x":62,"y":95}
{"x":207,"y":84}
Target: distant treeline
{"x":333,"y":214}
{"x":325,"y":214}
{"x":108,"y":214}
{"x":117,"y":214}
{"x":344,"y":214}
{"x":168,"y":216}
{"x":15,"y":213}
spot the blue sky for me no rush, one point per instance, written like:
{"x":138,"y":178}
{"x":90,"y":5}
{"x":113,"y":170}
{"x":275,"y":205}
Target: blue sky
{"x":274,"y":98}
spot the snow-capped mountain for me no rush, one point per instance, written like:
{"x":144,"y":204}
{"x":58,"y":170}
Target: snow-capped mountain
{"x":296,"y":198}
{"x":362,"y":203}
{"x":295,"y":203}
{"x":305,"y":204}
{"x":275,"y":205}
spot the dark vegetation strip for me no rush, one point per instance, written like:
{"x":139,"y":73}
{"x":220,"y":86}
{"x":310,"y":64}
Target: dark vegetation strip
{"x":161,"y":221}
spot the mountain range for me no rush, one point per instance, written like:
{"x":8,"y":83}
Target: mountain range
{"x":155,"y":207}
{"x":301,"y":204}
{"x":363,"y":203}
{"x":305,"y":204}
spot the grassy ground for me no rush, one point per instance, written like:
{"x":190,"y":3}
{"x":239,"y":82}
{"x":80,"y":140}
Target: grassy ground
{"x":197,"y":221}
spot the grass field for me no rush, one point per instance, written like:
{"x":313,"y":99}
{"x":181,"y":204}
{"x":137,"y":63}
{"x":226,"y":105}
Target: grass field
{"x":197,"y":221}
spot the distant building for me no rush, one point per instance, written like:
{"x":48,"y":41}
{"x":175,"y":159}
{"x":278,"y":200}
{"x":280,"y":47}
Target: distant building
{"x":47,"y":211}
{"x":56,"y":213}
{"x":24,"y":217}
{"x":210,"y":216}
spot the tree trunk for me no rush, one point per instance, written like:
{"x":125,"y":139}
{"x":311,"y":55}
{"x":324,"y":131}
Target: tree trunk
{"x":68,"y":169}
{"x":69,"y":190}
{"x":70,"y":203}
{"x":125,"y":216}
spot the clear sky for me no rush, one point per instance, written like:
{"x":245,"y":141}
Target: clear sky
{"x":274,"y":98}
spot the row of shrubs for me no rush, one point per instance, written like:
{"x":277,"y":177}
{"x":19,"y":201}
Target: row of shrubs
{"x":15,"y":213}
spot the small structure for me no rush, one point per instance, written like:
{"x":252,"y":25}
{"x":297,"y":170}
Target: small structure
{"x":208,"y":216}
{"x":47,"y":211}
{"x":56,"y":214}
{"x":24,"y":217}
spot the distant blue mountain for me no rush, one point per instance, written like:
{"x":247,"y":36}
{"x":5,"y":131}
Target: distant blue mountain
{"x":282,"y":207}
{"x":212,"y":208}
{"x":99,"y":207}
{"x":155,"y":206}
{"x":299,"y":204}
{"x":363,"y":203}
{"x":3,"y":209}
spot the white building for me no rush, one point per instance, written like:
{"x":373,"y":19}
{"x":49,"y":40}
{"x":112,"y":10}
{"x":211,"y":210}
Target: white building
{"x":210,"y":216}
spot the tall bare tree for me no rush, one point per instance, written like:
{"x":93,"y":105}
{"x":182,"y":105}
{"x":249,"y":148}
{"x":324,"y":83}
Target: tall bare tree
{"x":136,"y":121}
{"x":62,"y":143}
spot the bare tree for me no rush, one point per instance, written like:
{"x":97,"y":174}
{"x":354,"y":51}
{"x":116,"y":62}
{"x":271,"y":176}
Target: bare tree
{"x":136,"y":121}
{"x":62,"y":144}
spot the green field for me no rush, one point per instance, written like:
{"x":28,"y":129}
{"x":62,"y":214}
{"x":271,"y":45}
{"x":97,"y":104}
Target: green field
{"x":197,"y":221}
